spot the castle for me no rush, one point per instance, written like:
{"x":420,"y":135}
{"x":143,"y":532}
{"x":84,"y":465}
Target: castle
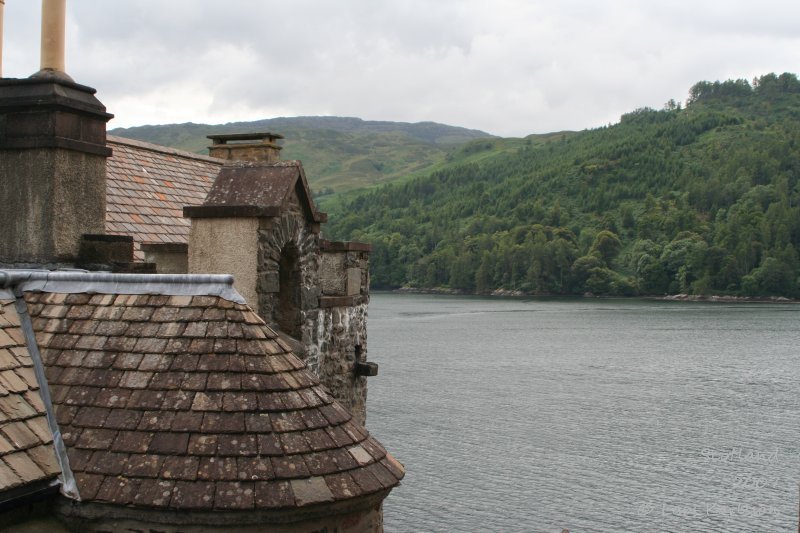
{"x":150,"y":388}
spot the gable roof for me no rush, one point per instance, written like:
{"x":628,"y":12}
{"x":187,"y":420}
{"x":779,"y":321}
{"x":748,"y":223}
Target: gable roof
{"x":147,"y":187}
{"x":27,"y":455}
{"x":189,"y":401}
{"x":257,"y":189}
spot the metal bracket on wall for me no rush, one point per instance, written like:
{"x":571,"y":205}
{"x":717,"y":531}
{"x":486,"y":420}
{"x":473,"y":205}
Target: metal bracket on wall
{"x":366,"y":369}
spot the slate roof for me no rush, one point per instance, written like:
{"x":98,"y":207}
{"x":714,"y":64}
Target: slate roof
{"x":147,"y":187}
{"x":257,"y":189}
{"x":192,"y":402}
{"x":26,"y":443}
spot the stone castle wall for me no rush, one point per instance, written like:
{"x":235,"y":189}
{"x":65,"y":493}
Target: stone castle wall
{"x":341,"y":335}
{"x":317,"y":294}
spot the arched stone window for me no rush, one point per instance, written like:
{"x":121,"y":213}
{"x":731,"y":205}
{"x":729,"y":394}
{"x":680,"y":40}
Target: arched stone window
{"x":286,"y":311}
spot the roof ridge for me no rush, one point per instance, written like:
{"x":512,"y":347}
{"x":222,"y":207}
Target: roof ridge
{"x":115,"y":139}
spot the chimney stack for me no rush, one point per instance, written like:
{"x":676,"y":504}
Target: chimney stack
{"x":52,"y":157}
{"x":250,"y":147}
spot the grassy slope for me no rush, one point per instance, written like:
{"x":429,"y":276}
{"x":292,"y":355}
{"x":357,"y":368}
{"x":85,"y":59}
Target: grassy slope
{"x":339,"y":153}
{"x":473,"y":152}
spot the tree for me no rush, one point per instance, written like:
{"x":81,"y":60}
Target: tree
{"x":607,"y":245}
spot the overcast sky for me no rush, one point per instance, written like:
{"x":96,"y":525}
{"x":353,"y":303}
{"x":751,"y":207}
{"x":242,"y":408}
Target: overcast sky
{"x":508,"y":67}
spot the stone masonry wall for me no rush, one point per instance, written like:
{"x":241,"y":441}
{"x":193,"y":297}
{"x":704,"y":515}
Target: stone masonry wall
{"x":325,"y":310}
{"x":341,"y":339}
{"x":274,"y":235}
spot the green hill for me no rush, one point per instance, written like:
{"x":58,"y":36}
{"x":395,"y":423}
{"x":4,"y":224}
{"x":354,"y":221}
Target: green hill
{"x":338,"y":153}
{"x":703,"y":199}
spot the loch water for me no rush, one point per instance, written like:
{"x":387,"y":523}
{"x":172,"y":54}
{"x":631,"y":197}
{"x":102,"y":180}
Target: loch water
{"x":590,"y":415}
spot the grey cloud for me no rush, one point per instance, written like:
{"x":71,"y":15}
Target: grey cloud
{"x":510,"y":67}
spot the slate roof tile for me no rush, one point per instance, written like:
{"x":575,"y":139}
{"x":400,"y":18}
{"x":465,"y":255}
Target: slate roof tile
{"x":342,"y":485}
{"x":5,"y":445}
{"x":132,"y":442}
{"x":23,"y":466}
{"x":339,"y":436}
{"x":106,"y":462}
{"x":374,"y":448}
{"x":319,"y":464}
{"x":89,"y":483}
{"x":145,"y":180}
{"x":294,"y":443}
{"x":180,"y":467}
{"x":269,"y":444}
{"x":8,"y":478}
{"x":289,"y":467}
{"x":393,"y":466}
{"x":119,"y":490}
{"x":95,"y":439}
{"x":234,"y":495}
{"x":223,"y":423}
{"x":257,"y":422}
{"x":313,"y":419}
{"x":275,"y":494}
{"x":146,"y":399}
{"x":218,"y":468}
{"x":319,"y":440}
{"x":313,"y":490}
{"x":169,"y":443}
{"x":193,"y":495}
{"x":143,"y":465}
{"x":382,"y":474}
{"x":187,"y":421}
{"x":111,"y":396}
{"x":118,"y":419}
{"x":155,"y":417}
{"x":238,"y":401}
{"x":237,"y":445}
{"x":154,"y":490}
{"x":26,"y":450}
{"x":92,"y":417}
{"x":366,"y":482}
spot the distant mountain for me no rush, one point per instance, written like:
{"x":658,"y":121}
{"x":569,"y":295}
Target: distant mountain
{"x":338,"y":153}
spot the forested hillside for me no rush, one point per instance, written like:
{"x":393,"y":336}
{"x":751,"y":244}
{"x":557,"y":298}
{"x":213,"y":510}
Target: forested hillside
{"x":338,"y":153}
{"x":702,"y":199}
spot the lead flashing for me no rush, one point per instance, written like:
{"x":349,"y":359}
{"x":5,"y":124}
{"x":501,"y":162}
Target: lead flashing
{"x":105,"y":283}
{"x":69,"y":486}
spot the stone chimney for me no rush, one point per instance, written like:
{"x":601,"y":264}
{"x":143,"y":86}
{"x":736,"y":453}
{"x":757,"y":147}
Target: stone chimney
{"x":250,"y":147}
{"x":52,"y":157}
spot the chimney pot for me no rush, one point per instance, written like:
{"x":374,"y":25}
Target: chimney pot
{"x":54,"y":21}
{"x":2,"y":5}
{"x":251,"y":147}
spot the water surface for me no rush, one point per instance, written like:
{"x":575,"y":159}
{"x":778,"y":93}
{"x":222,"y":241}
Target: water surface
{"x":587,"y":415}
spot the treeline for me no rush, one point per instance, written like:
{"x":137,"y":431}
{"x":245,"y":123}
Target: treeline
{"x":702,"y":200}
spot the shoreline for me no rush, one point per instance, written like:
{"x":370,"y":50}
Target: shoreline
{"x":443,"y":291}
